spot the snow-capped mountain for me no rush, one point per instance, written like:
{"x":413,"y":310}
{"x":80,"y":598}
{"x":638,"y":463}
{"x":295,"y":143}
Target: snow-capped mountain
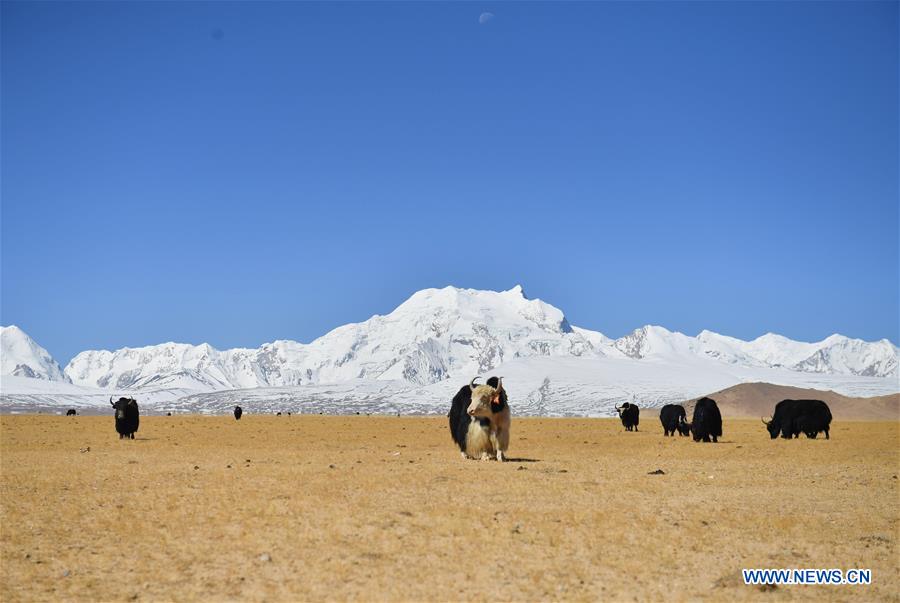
{"x":438,"y":333}
{"x":22,"y":357}
{"x":414,"y":357}
{"x":835,"y":355}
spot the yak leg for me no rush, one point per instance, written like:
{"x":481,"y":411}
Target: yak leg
{"x":826,"y":434}
{"x":495,"y":443}
{"x":500,"y":440}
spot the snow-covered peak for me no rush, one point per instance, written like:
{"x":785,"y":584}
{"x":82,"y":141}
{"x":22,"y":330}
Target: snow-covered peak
{"x":653,"y":340}
{"x":170,"y":364}
{"x":841,"y":354}
{"x":434,"y":334}
{"x":22,"y":357}
{"x":454,"y":333}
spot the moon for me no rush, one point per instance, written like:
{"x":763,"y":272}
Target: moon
{"x":485,"y":17}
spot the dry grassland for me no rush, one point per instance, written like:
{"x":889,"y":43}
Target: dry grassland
{"x":382,"y":508}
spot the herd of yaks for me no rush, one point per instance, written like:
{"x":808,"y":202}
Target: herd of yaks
{"x":480,"y":419}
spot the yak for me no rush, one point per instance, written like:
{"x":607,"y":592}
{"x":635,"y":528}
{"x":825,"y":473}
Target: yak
{"x":793,"y":417}
{"x":630,"y":415}
{"x":128,"y":417}
{"x":71,"y":412}
{"x":480,"y":420}
{"x":238,"y":411}
{"x":707,"y":421}
{"x":673,"y":418}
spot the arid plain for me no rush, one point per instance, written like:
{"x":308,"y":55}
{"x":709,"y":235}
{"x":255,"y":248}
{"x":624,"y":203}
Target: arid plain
{"x":310,"y":508}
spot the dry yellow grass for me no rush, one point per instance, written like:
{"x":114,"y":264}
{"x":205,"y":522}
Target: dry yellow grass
{"x":376,"y":508}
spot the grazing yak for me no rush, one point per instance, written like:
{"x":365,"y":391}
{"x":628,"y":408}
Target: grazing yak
{"x":480,"y":420}
{"x":707,"y":421}
{"x":630,"y":415}
{"x":128,"y":417}
{"x":673,"y":418}
{"x":238,"y":411}
{"x":71,"y":412}
{"x":793,"y":417}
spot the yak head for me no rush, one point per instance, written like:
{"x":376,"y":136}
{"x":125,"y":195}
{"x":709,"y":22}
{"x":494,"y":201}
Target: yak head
{"x":482,"y":398}
{"x":773,"y":427}
{"x":120,"y":405}
{"x":696,"y":434}
{"x":697,"y":429}
{"x":684,"y":428}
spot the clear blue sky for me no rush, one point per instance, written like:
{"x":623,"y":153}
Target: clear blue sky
{"x":241,"y":172}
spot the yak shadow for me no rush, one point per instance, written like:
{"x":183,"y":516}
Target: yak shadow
{"x":512,"y":460}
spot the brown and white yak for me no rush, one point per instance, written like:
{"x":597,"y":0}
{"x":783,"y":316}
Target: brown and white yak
{"x":480,"y":420}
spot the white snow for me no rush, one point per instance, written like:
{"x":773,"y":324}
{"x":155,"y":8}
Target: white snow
{"x":414,"y":358}
{"x":21,"y":356}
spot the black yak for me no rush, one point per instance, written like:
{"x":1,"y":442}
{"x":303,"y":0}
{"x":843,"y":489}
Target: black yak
{"x":480,"y":420}
{"x":238,"y":411}
{"x":793,"y":417}
{"x":630,"y":415}
{"x":128,"y":417}
{"x":707,"y":421}
{"x":71,"y":412}
{"x":673,"y":418}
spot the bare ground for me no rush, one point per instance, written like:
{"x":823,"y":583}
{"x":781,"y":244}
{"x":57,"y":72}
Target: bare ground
{"x":376,"y":508}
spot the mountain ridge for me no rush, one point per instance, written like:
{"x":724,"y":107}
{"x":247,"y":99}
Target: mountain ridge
{"x":437,"y":334}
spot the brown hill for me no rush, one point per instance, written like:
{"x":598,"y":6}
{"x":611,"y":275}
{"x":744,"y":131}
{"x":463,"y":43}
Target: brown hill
{"x":759,"y":400}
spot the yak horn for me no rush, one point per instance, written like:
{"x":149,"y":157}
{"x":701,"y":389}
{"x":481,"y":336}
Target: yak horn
{"x":111,"y":403}
{"x":499,"y":387}
{"x":764,"y":421}
{"x":472,"y":383}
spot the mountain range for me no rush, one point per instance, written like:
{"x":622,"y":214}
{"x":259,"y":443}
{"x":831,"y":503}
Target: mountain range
{"x":439,"y":338}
